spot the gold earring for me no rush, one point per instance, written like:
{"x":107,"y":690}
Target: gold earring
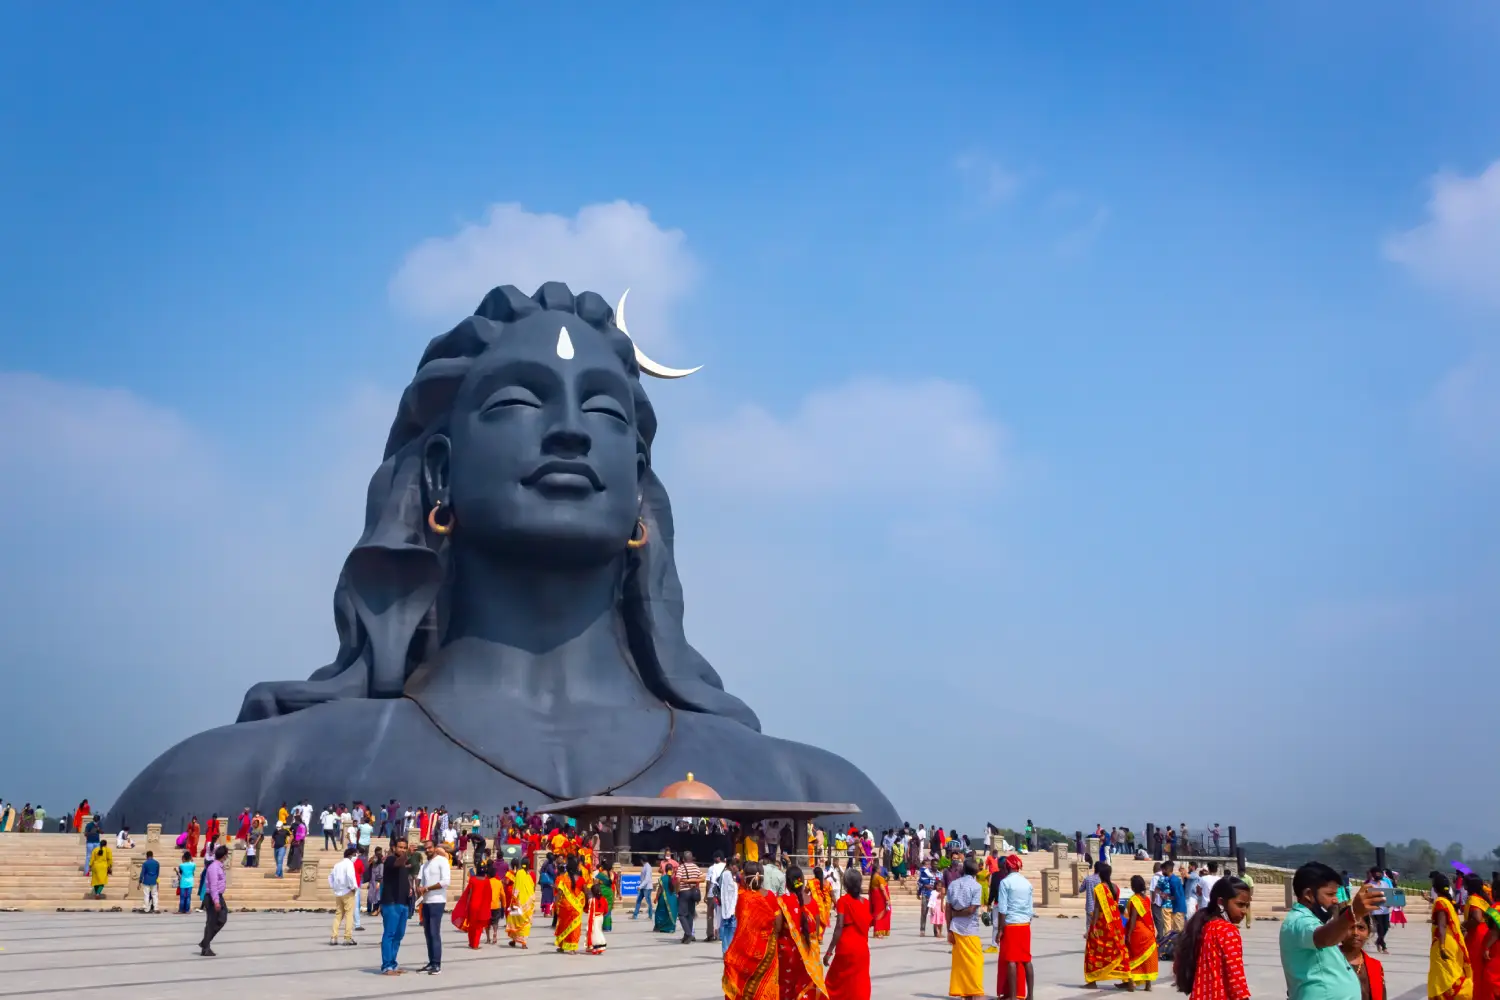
{"x":636,"y":543}
{"x":437,"y":527}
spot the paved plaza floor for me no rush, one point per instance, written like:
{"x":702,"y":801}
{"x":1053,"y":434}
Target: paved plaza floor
{"x":131,"y":956}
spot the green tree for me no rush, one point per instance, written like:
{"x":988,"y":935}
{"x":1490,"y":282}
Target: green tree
{"x":1455,"y":852}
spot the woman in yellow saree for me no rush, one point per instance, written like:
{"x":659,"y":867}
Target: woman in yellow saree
{"x":522,"y":893}
{"x":822,"y":907}
{"x":1449,"y":976}
{"x":569,"y":906}
{"x":1104,"y":954}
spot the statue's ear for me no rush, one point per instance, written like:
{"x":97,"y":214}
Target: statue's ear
{"x":435,"y":468}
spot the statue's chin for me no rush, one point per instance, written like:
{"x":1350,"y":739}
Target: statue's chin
{"x":558,"y":546}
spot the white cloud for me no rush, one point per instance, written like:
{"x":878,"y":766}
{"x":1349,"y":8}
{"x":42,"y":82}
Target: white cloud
{"x":106,"y":441}
{"x":873,"y":437}
{"x":989,"y":181}
{"x":1458,"y":248}
{"x":604,"y":248}
{"x":1079,"y":240}
{"x":1468,"y":404}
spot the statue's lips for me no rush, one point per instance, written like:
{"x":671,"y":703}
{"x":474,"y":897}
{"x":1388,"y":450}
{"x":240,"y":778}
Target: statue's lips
{"x":564,"y":477}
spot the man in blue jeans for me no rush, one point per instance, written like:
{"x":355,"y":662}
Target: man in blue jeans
{"x":278,"y":841}
{"x":643,"y":894}
{"x":729,"y":898}
{"x":395,"y":906}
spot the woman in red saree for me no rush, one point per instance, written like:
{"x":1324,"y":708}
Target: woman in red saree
{"x":212,"y":840}
{"x":770,"y":957}
{"x":570,"y":904}
{"x":1209,"y":963}
{"x":472,"y":914}
{"x":1479,"y":938}
{"x":848,"y":956}
{"x":194,"y":831}
{"x":81,"y":816}
{"x":1104,"y":954}
{"x":880,"y":905}
{"x":1140,"y":934}
{"x":424,"y":824}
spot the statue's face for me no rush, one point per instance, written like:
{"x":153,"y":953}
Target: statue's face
{"x":543,"y":461}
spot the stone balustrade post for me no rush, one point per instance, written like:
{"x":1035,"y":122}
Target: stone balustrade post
{"x":223,"y":831}
{"x":1291,"y":897}
{"x":1059,"y":855}
{"x":1091,"y":847}
{"x":307,"y":881}
{"x":1079,"y":872}
{"x":1051,"y":887}
{"x":153,"y":834}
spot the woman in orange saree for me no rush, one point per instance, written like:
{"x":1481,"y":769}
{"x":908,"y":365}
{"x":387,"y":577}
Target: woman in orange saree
{"x":1104,"y":953}
{"x":193,"y":833}
{"x":570,"y":906}
{"x":1140,"y":935}
{"x":1449,"y":975}
{"x":880,"y":905}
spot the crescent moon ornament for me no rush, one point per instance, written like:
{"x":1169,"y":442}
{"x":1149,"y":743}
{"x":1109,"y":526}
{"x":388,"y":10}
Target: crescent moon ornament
{"x":646,"y":364}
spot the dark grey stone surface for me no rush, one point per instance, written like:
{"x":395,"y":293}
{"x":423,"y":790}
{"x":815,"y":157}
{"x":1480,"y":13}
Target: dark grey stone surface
{"x":530,"y":654}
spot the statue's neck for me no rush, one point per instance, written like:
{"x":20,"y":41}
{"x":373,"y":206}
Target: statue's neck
{"x":544,"y":638}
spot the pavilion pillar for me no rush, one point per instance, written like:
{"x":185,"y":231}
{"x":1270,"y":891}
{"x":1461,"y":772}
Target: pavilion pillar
{"x":622,"y":838}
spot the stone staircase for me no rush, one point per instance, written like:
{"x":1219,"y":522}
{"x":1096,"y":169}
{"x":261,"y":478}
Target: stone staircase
{"x":42,"y":871}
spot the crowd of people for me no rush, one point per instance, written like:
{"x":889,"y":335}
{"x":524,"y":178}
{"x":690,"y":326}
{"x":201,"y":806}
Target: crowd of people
{"x":807,"y":927}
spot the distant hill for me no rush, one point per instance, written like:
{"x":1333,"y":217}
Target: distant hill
{"x":1354,"y":853}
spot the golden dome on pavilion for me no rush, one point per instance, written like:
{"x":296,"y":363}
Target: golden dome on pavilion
{"x":689,"y":789}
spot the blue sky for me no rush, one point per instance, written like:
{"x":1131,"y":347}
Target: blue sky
{"x":1131,"y":376}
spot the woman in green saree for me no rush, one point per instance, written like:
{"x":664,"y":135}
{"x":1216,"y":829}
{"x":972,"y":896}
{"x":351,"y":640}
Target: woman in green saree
{"x":666,"y":903}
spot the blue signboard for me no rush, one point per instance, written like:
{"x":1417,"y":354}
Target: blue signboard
{"x":630,"y":885}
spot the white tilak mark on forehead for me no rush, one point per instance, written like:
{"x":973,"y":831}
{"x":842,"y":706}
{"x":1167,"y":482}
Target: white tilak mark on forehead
{"x":564,"y":345}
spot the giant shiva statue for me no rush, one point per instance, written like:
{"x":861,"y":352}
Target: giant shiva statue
{"x":510,"y":622}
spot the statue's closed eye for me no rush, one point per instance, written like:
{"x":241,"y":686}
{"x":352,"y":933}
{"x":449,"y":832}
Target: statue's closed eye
{"x":511,"y":395}
{"x":607,"y":405}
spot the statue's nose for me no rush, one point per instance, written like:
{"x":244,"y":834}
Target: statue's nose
{"x":567,"y":438}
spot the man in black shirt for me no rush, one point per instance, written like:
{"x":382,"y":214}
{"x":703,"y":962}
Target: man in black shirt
{"x":395,"y":906}
{"x":278,"y":841}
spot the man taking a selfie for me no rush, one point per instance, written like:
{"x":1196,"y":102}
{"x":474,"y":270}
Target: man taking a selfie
{"x":1314,"y":966}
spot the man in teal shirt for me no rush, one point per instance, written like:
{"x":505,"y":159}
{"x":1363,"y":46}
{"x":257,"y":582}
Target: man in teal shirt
{"x":1315,"y":969}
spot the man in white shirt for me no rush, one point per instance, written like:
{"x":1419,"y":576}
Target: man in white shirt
{"x":306,"y":811}
{"x":436,"y":876}
{"x":344,"y":882}
{"x":648,"y":880}
{"x":1206,"y":884}
{"x":330,"y":821}
{"x":711,"y":895}
{"x":729,"y":897}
